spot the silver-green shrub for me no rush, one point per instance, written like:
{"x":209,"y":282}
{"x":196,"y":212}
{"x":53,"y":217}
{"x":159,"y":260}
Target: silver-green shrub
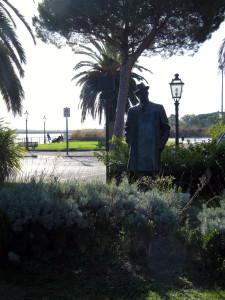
{"x":212,"y":218}
{"x":37,"y":204}
{"x":89,"y":219}
{"x":56,"y":205}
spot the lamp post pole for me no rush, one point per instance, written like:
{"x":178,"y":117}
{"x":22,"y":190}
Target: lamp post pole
{"x":66,"y":112}
{"x":67,"y":138}
{"x":176,"y":86}
{"x":26,"y":118}
{"x":44,"y":118}
{"x":222,"y":92}
{"x":176,"y":103}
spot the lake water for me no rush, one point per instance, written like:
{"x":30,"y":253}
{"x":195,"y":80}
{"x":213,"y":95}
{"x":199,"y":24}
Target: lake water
{"x":21,"y":137}
{"x":40,"y":138}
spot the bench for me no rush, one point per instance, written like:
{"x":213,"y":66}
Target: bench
{"x":32,"y":145}
{"x":29,"y":145}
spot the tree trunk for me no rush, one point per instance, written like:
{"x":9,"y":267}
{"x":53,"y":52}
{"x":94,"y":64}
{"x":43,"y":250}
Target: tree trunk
{"x":122,"y":98}
{"x":111,"y":129}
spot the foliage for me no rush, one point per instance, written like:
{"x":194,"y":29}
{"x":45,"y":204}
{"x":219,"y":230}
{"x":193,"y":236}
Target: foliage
{"x":195,"y":125}
{"x":10,"y":152}
{"x":217,"y":130}
{"x":212,"y":227}
{"x":88,"y":135}
{"x":129,"y":25}
{"x":197,"y":168}
{"x":212,"y":218}
{"x":117,"y":157}
{"x":132,"y":27}
{"x":90,"y":225}
{"x":201,"y":120}
{"x":4,"y":237}
{"x":94,"y":220}
{"x":12,"y":57}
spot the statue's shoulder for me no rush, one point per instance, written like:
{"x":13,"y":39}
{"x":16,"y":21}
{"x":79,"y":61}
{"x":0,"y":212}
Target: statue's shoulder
{"x":156,"y":106}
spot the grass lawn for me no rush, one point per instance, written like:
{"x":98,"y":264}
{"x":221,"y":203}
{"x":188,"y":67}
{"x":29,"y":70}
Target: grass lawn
{"x":75,"y":145}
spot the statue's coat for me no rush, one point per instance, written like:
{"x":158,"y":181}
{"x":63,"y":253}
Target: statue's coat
{"x":147,"y":131}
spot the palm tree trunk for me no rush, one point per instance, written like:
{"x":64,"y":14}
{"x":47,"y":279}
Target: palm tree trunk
{"x":122,"y":98}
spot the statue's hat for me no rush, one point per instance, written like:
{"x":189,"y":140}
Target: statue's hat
{"x":140,"y":87}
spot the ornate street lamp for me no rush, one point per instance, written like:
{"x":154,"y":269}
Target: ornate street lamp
{"x":176,"y":86}
{"x":66,"y":113}
{"x":44,"y":119}
{"x":26,"y":118}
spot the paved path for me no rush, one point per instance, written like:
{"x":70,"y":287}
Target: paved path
{"x":50,"y":165}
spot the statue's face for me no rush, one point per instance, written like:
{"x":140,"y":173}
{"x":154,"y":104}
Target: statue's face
{"x":143,"y":96}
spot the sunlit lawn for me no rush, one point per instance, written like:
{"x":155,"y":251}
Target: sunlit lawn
{"x":75,"y":145}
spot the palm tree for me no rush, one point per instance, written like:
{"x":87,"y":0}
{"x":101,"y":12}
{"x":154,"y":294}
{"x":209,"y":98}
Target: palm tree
{"x":12,"y":57}
{"x":105,"y":62}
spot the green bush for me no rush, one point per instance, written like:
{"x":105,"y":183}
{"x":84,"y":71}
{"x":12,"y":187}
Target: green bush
{"x":92,"y":223}
{"x":212,"y":227}
{"x":10,"y":152}
{"x":196,"y":169}
{"x":199,"y":168}
{"x":88,"y":135}
{"x":92,"y":220}
{"x":217,"y":130}
{"x":116,"y":159}
{"x":4,"y":236}
{"x":205,"y":240}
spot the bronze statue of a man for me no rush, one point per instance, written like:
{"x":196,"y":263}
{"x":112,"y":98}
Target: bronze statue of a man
{"x":146,"y":131}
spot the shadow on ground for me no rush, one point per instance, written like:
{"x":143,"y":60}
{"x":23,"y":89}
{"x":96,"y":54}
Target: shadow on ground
{"x":117,"y":280}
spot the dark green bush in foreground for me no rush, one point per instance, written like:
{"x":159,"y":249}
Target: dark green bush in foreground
{"x":93,"y":224}
{"x":49,"y":220}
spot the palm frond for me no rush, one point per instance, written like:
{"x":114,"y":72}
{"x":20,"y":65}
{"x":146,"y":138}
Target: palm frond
{"x":92,"y":54}
{"x":13,"y":56}
{"x":21,"y":17}
{"x":7,"y":33}
{"x":81,"y":74}
{"x":141,"y":68}
{"x":82,"y":64}
{"x":8,"y":14}
{"x":138,"y":77}
{"x":10,"y":85}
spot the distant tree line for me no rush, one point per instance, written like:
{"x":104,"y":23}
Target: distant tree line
{"x":192,"y":125}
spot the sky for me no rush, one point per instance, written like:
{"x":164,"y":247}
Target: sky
{"x":48,"y":86}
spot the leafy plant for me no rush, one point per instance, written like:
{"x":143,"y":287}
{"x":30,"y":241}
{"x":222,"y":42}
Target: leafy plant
{"x":199,"y":167}
{"x":217,"y":130}
{"x":10,"y":152}
{"x":116,"y":159}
